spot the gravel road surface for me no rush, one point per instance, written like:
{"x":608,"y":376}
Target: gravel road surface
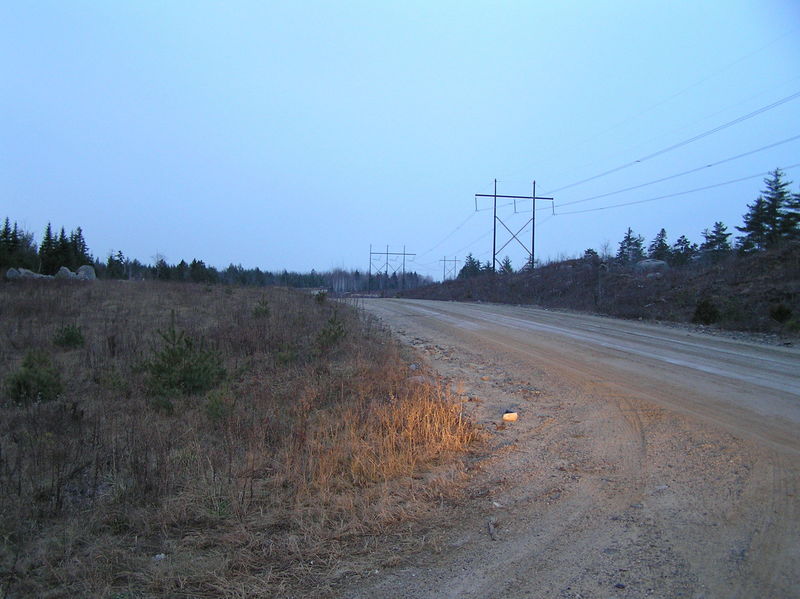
{"x":647,"y":461}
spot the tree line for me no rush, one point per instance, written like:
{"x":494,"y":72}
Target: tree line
{"x":19,"y":250}
{"x":772,"y":220}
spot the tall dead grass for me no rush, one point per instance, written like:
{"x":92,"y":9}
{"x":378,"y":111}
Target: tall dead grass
{"x":316,"y":451}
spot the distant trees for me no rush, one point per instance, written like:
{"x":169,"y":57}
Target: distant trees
{"x":17,"y":247}
{"x":60,"y":250}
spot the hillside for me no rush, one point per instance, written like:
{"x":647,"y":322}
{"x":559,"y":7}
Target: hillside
{"x":759,"y":292}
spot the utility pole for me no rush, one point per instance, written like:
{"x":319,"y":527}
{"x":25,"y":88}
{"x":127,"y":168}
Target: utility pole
{"x":451,"y":270}
{"x":514,"y":236}
{"x":384,"y":265}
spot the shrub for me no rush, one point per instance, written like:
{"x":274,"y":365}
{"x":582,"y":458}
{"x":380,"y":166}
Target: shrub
{"x":321,"y":296}
{"x":69,"y":337}
{"x":37,"y":379}
{"x":261,"y":309}
{"x":218,"y":406}
{"x":780,"y":313}
{"x":179,"y":366}
{"x":705,"y":312}
{"x":331,"y":333}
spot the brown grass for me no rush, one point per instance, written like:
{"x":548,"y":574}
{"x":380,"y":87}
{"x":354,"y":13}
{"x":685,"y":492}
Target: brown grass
{"x":305,"y":466}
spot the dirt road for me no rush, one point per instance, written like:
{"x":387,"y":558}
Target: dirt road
{"x":646,"y":462}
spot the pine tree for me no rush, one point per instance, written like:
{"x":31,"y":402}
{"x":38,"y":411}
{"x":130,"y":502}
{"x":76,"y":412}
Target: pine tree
{"x":79,"y":252}
{"x":790,"y":221}
{"x":505,"y":267}
{"x":683,"y":251}
{"x":471,"y":268}
{"x":47,"y":250}
{"x":5,"y":244}
{"x":716,"y":244}
{"x":771,"y":218}
{"x":754,"y":229}
{"x":631,"y":248}
{"x":659,"y":248}
{"x":63,"y":250}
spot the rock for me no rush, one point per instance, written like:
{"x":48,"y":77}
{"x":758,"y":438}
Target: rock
{"x":650,"y":266}
{"x":65,"y":273}
{"x":86,"y":273}
{"x":510,"y":417}
{"x":29,"y":274}
{"x":159,"y":557}
{"x":12,"y":274}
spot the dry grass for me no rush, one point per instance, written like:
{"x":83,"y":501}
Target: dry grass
{"x":307,"y":464}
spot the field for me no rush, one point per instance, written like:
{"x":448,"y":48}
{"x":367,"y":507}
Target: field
{"x":189,"y":441}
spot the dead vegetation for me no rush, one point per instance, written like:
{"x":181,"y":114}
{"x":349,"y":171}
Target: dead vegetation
{"x":209,"y":442}
{"x":758,"y":292}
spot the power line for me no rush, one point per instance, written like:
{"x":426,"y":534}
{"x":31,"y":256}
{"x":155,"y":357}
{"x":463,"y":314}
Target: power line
{"x":450,"y":234}
{"x":685,"y":142}
{"x":675,"y":176}
{"x":679,"y":193}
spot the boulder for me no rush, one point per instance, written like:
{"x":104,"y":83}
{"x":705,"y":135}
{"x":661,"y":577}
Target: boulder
{"x":65,"y":273}
{"x":24,"y":273}
{"x":648,"y":266}
{"x":86,"y":273}
{"x":12,"y":274}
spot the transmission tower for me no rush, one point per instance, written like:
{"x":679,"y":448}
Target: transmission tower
{"x":514,"y":236}
{"x":382,"y":267}
{"x":447,"y":269}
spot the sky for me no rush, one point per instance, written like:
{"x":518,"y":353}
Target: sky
{"x":298,"y":135}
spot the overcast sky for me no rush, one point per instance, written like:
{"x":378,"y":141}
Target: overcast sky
{"x":295,"y":134}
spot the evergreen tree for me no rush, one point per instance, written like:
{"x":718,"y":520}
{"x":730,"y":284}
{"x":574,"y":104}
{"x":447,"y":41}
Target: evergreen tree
{"x":505,"y":267}
{"x":5,"y":245}
{"x":79,"y":252}
{"x":471,"y":268}
{"x":115,"y":265}
{"x":771,"y":218}
{"x":592,"y":257}
{"x":790,"y":220}
{"x":62,"y":252}
{"x":631,"y":248}
{"x":659,"y":248}
{"x":754,"y":229}
{"x":47,"y":252}
{"x":683,"y":251}
{"x":716,"y":244}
